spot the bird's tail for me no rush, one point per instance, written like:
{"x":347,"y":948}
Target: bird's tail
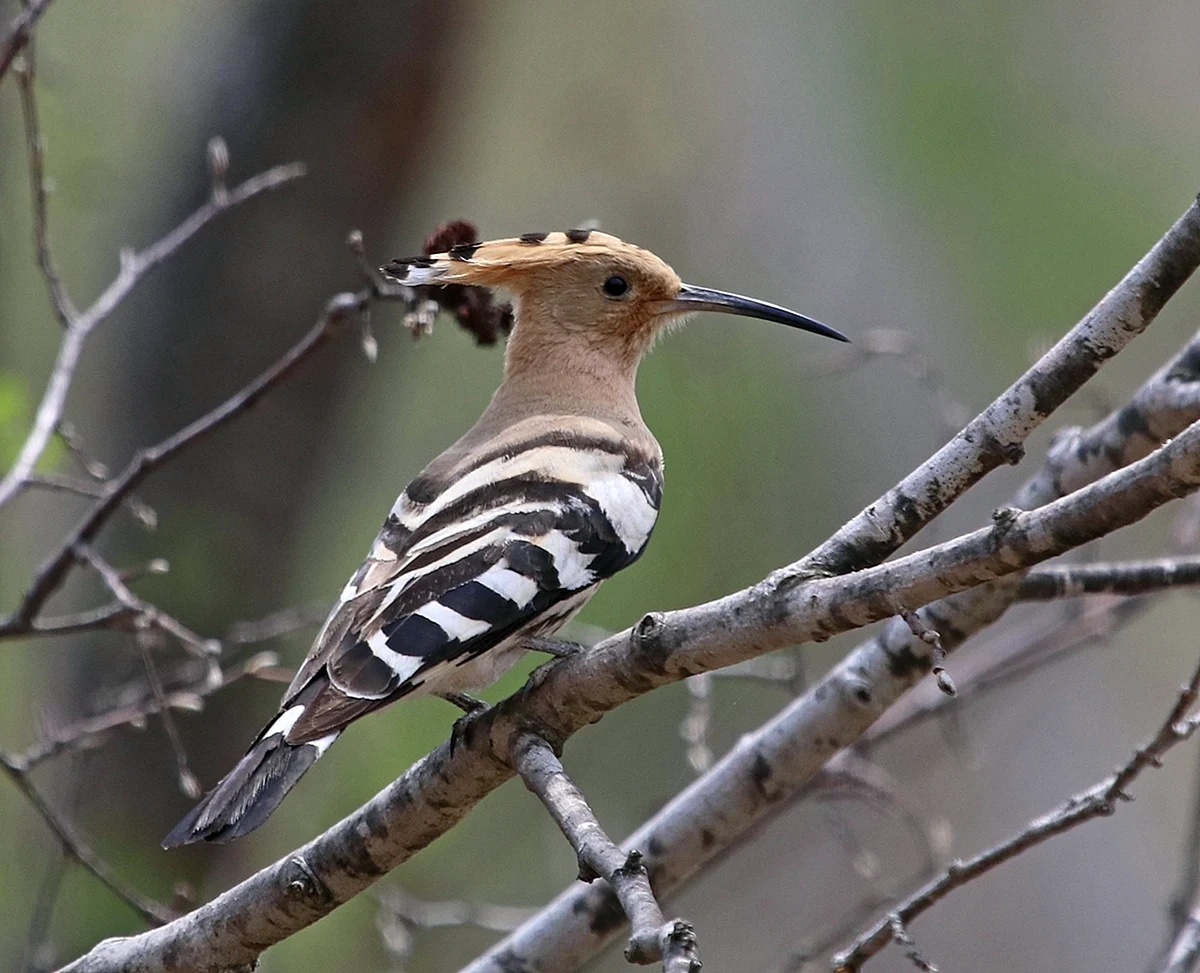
{"x":250,"y":792}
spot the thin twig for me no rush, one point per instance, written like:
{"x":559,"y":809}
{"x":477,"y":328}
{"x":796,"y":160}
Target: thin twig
{"x":276,"y":625}
{"x":134,"y":267}
{"x":78,"y":849}
{"x":1181,"y":952}
{"x":146,"y":614}
{"x":60,"y":300}
{"x":1100,"y":800}
{"x":114,"y":616}
{"x":400,"y":913}
{"x":19,"y":31}
{"x":52,"y":572}
{"x":188,"y":782}
{"x":142,"y":512}
{"x":37,"y":946}
{"x":186,"y":695}
{"x":651,"y":937}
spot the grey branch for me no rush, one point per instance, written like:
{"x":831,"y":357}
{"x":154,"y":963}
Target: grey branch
{"x":1184,"y":952}
{"x":64,"y":308}
{"x":726,"y":803}
{"x":1120,"y":578}
{"x":651,"y":938}
{"x":1100,"y":800}
{"x":573,"y":692}
{"x":134,"y":267}
{"x":785,"y":609}
{"x":19,"y":32}
{"x":996,"y":436}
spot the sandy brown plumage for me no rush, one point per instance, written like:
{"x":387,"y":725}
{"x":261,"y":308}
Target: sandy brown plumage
{"x":509,"y":532}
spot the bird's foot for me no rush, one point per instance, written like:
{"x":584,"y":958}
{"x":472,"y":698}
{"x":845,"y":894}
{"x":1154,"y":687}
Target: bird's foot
{"x":472,"y":709}
{"x":558,"y":648}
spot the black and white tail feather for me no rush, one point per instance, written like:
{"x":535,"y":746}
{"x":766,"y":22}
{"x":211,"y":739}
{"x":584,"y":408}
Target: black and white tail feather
{"x":496,"y":542}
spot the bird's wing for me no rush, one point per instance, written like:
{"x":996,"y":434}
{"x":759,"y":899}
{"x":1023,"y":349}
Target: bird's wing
{"x":501,"y":547}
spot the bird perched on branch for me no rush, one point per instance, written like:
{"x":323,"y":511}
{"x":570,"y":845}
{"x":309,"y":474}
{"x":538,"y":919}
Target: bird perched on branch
{"x":508,"y":533}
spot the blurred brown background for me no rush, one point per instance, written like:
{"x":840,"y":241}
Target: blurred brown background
{"x":975,"y":175}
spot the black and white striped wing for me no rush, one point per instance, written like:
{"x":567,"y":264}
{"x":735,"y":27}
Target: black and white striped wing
{"x":461,"y":573}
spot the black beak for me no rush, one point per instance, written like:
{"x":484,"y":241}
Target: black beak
{"x":692,"y":298}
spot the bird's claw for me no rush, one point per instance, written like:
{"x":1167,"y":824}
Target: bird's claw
{"x":558,"y":648}
{"x":472,"y":708}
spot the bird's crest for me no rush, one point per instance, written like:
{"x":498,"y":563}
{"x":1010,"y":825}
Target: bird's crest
{"x":496,"y":263}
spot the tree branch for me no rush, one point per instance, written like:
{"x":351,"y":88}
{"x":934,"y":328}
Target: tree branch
{"x":652,"y":938}
{"x":996,"y":435}
{"x":571,"y":693}
{"x":52,"y":572}
{"x":19,"y":31}
{"x":1184,"y":951}
{"x":717,"y":809}
{"x":1098,"y":801}
{"x":134,"y":266}
{"x":60,"y":300}
{"x":1120,"y":578}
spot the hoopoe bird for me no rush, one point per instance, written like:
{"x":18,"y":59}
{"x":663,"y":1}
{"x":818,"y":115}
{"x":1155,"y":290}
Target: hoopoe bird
{"x":506,"y":535}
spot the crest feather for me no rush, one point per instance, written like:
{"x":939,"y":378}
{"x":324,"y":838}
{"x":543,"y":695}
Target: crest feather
{"x":490,"y":262}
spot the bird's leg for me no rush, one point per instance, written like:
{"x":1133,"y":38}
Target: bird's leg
{"x":472,"y":709}
{"x":559,"y":648}
{"x":469,"y":704}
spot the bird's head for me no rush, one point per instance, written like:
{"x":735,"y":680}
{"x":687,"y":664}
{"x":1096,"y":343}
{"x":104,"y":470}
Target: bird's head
{"x":587,"y":288}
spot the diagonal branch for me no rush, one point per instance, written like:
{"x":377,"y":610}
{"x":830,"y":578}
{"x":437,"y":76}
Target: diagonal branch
{"x":64,"y":307}
{"x":725,"y":804}
{"x":652,"y":938}
{"x":1100,"y":800}
{"x":134,"y":267}
{"x":997,"y":434}
{"x":52,"y":572}
{"x":437,"y":792}
{"x":19,"y":32}
{"x":76,"y":848}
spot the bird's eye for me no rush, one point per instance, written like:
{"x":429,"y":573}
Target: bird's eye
{"x":616,"y":286}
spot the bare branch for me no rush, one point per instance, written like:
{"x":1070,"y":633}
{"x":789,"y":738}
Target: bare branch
{"x":276,"y":625}
{"x":143,"y":513}
{"x":1184,"y":952}
{"x":114,"y":616}
{"x":187,"y":694}
{"x":729,"y":800}
{"x":19,"y":31}
{"x":145,"y":613}
{"x":652,"y":937}
{"x":77,"y":849}
{"x":1098,"y":801}
{"x":401,"y":913}
{"x":996,"y":435}
{"x":574,"y":692}
{"x":52,"y":572}
{"x":134,"y":266}
{"x":60,"y":300}
{"x":1120,"y":578}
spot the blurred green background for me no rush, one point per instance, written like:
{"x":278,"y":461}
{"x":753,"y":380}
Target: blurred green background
{"x":973,"y":174}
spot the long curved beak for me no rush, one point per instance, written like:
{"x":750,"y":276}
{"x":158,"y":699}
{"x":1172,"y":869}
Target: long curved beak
{"x":692,"y":298}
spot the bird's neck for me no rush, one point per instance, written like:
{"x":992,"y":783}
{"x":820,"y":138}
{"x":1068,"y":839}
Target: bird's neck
{"x":556,"y":374}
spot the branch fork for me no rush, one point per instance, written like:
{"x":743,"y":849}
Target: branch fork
{"x":652,"y":938}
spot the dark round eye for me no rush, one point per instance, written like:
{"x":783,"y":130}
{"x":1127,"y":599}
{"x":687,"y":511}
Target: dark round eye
{"x":616,"y":286}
